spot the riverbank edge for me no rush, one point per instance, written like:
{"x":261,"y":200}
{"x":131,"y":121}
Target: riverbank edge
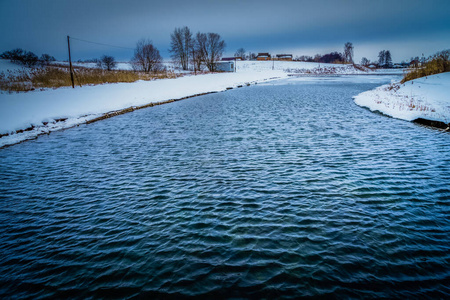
{"x":432,"y":123}
{"x":366,"y":99}
{"x":420,"y":121}
{"x":111,"y":114}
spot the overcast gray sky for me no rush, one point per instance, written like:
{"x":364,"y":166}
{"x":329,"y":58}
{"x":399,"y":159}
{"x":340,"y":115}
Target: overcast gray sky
{"x":405,"y":27}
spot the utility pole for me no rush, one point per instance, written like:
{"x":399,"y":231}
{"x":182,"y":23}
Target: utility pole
{"x":70,"y":63}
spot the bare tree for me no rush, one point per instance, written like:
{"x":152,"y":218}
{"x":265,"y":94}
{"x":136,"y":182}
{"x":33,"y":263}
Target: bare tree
{"x":106,"y":62}
{"x":146,"y":57}
{"x":304,"y":58}
{"x":181,"y":44}
{"x":388,"y":58}
{"x":348,"y":52}
{"x":199,"y":50}
{"x":240,"y":53}
{"x":15,"y":55}
{"x":382,"y":58}
{"x":29,"y":59}
{"x":365,"y":61}
{"x":45,"y":59}
{"x":19,"y":55}
{"x":208,"y":48}
{"x":214,"y":48}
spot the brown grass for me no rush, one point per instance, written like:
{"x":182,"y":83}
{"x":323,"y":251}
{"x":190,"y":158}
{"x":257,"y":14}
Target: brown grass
{"x":438,"y":63}
{"x":59,"y":76}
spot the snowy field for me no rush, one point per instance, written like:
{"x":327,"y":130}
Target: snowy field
{"x":426,"y":98}
{"x":119,"y":65}
{"x":7,"y":66}
{"x":294,"y":67}
{"x":298,"y":67}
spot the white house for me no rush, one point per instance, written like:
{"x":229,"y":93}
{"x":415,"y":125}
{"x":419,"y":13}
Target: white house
{"x":225,"y":66}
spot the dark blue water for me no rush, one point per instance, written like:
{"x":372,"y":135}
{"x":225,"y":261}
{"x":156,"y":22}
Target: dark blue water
{"x":286,"y":190}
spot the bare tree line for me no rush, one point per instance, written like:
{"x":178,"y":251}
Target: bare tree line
{"x":187,"y":50}
{"x":203,"y":49}
{"x":146,"y":57}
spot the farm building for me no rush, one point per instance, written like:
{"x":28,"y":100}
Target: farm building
{"x":231,"y":58}
{"x":284,"y":57}
{"x":263,"y":56}
{"x":225,"y":66}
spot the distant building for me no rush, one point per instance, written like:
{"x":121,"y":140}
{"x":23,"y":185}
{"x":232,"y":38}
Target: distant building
{"x":225,"y":66}
{"x":263,"y":56}
{"x":415,"y":64}
{"x":284,"y":57}
{"x":231,"y":58}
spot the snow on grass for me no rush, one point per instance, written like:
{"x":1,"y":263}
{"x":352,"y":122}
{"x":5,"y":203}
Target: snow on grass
{"x":426,"y":98}
{"x":126,"y":66}
{"x":313,"y":68}
{"x":7,"y":66}
{"x":254,"y":66}
{"x":119,"y":65}
{"x":297,"y":67}
{"x":44,"y":111}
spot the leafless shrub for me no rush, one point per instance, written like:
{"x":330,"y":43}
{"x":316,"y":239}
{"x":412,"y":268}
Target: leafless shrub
{"x":209,"y":47}
{"x":438,"y":63}
{"x":106,"y":62}
{"x":181,"y":44}
{"x":146,"y":57}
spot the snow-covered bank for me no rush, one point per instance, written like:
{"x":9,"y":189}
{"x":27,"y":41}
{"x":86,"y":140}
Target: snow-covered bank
{"x":299,"y":67}
{"x":7,"y":66}
{"x":38,"y":112}
{"x":423,"y":98}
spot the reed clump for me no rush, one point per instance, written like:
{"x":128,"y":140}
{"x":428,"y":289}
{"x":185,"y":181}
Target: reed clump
{"x":438,"y":63}
{"x":59,"y":76}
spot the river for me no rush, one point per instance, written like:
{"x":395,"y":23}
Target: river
{"x":286,"y":189}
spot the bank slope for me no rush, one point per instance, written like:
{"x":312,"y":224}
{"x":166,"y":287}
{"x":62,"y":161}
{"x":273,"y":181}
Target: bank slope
{"x":426,"y":98}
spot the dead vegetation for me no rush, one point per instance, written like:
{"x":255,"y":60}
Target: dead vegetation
{"x":405,"y":102}
{"x":57,"y":76}
{"x":348,"y":68}
{"x":438,"y":63}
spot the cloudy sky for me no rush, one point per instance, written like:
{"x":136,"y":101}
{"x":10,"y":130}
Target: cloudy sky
{"x":405,"y":27}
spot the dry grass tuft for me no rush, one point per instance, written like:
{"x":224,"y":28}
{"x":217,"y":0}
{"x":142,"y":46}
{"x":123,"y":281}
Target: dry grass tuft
{"x":59,"y":76}
{"x":438,"y":63}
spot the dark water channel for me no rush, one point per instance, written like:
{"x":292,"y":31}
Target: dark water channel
{"x":277,"y":190}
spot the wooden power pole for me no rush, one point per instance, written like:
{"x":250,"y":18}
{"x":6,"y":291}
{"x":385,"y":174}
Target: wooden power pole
{"x":70,"y":63}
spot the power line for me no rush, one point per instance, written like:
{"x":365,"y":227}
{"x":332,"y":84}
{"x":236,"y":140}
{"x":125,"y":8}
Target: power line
{"x":107,"y":45}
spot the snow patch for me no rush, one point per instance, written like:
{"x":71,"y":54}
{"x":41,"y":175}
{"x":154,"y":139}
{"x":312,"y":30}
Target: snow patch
{"x":8,"y":66}
{"x":426,"y":98}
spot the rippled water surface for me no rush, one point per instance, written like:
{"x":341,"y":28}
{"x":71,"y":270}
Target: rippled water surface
{"x":277,"y":190}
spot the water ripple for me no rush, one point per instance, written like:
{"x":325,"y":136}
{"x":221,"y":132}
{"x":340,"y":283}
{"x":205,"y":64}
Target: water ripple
{"x":281,"y":191}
